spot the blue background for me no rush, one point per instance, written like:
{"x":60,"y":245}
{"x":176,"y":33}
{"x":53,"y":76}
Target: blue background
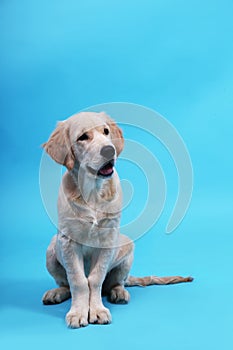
{"x":58,"y":57}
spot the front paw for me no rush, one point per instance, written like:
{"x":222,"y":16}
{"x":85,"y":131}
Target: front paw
{"x":100,"y":315}
{"x":76,"y":319}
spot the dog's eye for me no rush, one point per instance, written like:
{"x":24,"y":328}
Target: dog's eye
{"x":106,"y":131}
{"x":83,"y":137}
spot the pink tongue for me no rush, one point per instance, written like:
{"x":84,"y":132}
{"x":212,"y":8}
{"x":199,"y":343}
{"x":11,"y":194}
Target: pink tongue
{"x":107,"y":170}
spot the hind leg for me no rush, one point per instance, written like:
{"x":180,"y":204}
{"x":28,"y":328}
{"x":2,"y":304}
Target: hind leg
{"x":115,"y":280}
{"x":62,"y":293}
{"x":117,"y":294}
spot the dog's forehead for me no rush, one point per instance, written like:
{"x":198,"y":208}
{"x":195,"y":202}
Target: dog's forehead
{"x":82,"y":122}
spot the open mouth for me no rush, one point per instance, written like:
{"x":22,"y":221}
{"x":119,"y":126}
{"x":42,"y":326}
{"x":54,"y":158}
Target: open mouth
{"x":107,"y":169}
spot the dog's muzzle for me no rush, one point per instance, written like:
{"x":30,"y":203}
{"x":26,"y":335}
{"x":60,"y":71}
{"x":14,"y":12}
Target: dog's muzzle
{"x":107,"y":152}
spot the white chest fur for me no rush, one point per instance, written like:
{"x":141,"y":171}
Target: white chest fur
{"x":93,"y":222}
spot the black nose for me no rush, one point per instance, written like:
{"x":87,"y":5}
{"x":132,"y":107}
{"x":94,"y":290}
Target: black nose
{"x":107,"y":152}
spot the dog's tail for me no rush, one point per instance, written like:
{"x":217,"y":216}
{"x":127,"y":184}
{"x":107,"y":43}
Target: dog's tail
{"x":150,"y":280}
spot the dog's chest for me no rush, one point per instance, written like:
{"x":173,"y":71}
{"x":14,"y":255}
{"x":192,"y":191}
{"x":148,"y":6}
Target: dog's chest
{"x":96,"y":214}
{"x":90,"y":227}
{"x":92,"y":221}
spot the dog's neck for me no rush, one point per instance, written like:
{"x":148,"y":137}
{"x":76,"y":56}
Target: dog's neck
{"x":92,"y":188}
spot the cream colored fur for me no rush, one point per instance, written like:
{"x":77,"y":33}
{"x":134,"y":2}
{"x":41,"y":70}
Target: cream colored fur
{"x":88,"y":256}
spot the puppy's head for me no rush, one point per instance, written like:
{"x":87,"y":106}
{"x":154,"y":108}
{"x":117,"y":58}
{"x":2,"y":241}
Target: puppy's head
{"x":90,"y":140}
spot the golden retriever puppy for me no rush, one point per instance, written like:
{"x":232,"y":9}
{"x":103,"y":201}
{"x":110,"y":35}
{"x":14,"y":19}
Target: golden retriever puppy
{"x":88,"y":256}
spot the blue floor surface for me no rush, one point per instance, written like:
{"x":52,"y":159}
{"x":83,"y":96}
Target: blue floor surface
{"x":59,"y":57}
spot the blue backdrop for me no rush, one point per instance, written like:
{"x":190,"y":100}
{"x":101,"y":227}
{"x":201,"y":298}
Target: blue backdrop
{"x":58,"y":57}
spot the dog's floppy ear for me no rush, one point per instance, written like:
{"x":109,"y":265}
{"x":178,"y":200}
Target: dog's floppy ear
{"x":115,"y":132}
{"x":59,"y":147}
